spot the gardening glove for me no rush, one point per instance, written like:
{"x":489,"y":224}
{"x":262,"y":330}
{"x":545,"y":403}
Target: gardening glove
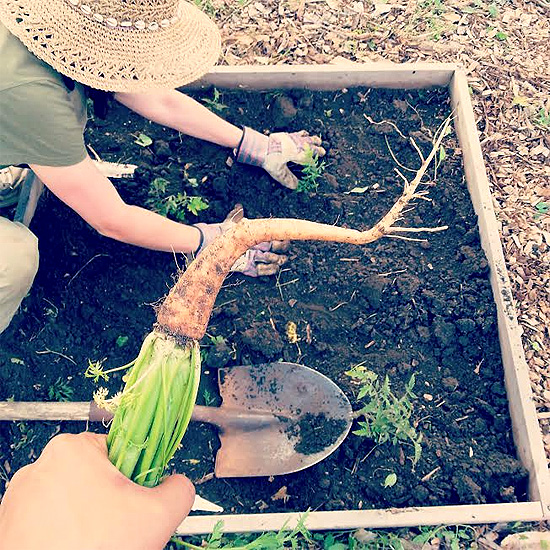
{"x":260,"y":260}
{"x":273,"y":152}
{"x":11,"y":179}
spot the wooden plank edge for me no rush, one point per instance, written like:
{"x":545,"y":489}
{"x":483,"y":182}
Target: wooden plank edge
{"x":329,"y":77}
{"x":372,"y":519}
{"x":527,"y":432}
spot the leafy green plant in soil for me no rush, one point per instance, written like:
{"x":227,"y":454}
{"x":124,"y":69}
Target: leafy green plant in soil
{"x":174,"y":205}
{"x":299,"y":537}
{"x":311,"y":172}
{"x":385,"y":416}
{"x":60,"y":390}
{"x":215,"y":104}
{"x":456,"y":537}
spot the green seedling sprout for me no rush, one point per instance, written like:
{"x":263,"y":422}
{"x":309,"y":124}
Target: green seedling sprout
{"x":215,"y":102}
{"x":143,"y":140}
{"x":312,"y":170}
{"x":60,"y":390}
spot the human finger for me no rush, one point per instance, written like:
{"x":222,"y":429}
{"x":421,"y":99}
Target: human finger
{"x":317,"y":150}
{"x":176,"y":495}
{"x":314,"y":140}
{"x":236,"y":214}
{"x":264,"y":246}
{"x":284,"y":176}
{"x":265,"y":270}
{"x":280,"y":246}
{"x":269,"y":258}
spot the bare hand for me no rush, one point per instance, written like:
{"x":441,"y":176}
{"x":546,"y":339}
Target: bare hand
{"x":73,"y":497}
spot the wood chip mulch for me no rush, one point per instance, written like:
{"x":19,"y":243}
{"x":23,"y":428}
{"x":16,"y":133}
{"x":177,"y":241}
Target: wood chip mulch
{"x":504,"y":48}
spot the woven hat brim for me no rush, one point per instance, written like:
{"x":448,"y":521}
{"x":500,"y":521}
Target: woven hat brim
{"x":119,"y":59}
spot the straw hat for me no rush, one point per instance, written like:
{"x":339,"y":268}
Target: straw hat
{"x":117,"y":45}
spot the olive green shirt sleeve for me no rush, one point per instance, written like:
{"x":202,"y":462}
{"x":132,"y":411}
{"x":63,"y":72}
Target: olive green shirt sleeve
{"x":42,"y":123}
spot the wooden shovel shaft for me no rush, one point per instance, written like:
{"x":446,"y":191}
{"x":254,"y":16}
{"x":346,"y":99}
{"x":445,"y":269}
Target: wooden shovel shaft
{"x":222,"y":417}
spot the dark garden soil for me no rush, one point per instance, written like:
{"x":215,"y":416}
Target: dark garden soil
{"x":398,"y":307}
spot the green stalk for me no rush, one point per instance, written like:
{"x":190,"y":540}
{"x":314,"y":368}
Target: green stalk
{"x":155,"y":408}
{"x":150,"y":465}
{"x":121,"y":430}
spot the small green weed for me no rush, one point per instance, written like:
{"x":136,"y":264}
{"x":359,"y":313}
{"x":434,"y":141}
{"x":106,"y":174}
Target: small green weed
{"x":299,"y":537}
{"x":386,"y":417}
{"x":60,"y":390}
{"x":543,"y":118}
{"x":541,"y":208}
{"x":208,"y":397}
{"x":25,"y":436}
{"x":215,"y":102}
{"x":311,"y":172}
{"x":143,"y":140}
{"x":121,"y":341}
{"x":493,"y":11}
{"x":453,"y":537}
{"x":391,"y":480}
{"x":177,"y":205}
{"x":428,"y":19}
{"x":206,"y":6}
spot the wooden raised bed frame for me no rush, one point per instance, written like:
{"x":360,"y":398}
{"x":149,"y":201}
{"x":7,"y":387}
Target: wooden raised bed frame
{"x":526,"y":430}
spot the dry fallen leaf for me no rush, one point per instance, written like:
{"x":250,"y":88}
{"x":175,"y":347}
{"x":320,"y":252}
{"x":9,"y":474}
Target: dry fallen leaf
{"x":281,"y":494}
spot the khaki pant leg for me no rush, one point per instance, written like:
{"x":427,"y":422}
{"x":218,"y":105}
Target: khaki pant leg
{"x":18,"y":266}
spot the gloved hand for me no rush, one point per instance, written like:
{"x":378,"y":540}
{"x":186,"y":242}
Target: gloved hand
{"x":262,"y":259}
{"x":273,"y":152}
{"x":11,"y":179}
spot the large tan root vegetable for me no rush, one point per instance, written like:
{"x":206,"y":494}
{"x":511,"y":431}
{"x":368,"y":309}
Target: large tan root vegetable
{"x":186,"y":310}
{"x":154,"y":409}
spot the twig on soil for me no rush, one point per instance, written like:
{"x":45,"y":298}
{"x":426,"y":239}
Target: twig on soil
{"x":392,"y":124}
{"x":88,"y":262}
{"x":278,"y":284}
{"x":225,"y":304}
{"x":291,"y":282}
{"x":43,"y":352}
{"x":430,"y":474}
{"x":392,"y":273}
{"x":205,"y":478}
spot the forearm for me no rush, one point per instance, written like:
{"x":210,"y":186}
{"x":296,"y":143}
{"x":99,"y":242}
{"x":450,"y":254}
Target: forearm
{"x":141,"y":227}
{"x":180,"y":112}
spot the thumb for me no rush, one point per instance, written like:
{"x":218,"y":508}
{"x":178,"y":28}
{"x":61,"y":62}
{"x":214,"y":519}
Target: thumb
{"x":236,"y":215}
{"x":176,"y":495}
{"x":284,"y":176}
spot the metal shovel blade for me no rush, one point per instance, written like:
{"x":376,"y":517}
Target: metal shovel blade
{"x":310,"y":417}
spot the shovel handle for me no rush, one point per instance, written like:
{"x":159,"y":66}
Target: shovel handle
{"x":88,"y":411}
{"x":44,"y":411}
